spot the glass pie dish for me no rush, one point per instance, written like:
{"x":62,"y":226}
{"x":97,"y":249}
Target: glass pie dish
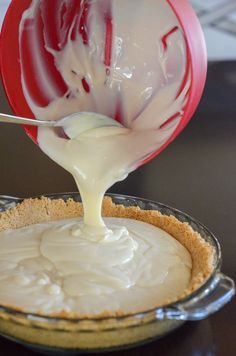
{"x":58,"y":335}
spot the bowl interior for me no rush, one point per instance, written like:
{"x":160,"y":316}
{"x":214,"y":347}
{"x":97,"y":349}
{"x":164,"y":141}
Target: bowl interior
{"x":20,"y":55}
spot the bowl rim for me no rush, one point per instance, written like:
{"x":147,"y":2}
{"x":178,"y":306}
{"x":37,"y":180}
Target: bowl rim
{"x":207,"y":285}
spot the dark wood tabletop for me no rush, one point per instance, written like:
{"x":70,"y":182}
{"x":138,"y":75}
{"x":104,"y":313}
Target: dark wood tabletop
{"x":196,"y":174}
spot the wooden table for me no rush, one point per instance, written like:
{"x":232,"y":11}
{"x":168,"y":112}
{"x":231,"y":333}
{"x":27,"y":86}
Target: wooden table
{"x":196,"y":174}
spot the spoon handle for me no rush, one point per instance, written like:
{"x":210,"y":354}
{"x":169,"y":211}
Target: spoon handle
{"x":23,"y":121}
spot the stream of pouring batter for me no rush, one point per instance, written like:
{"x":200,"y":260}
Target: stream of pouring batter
{"x":138,"y":79}
{"x":97,"y":158}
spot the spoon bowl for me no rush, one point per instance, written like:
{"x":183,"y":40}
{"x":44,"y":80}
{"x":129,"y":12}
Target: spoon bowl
{"x":76,"y":124}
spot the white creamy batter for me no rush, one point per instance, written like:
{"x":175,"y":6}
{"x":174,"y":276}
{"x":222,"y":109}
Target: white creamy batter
{"x":138,"y":80}
{"x":47,"y":267}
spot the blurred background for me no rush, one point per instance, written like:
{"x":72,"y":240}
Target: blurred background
{"x":218,"y":19}
{"x":196,"y":173}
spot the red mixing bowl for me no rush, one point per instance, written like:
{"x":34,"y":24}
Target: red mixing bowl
{"x":196,"y":61}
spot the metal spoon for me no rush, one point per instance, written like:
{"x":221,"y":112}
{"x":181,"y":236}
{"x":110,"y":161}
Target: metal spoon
{"x":12,"y":119}
{"x":72,"y":125}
